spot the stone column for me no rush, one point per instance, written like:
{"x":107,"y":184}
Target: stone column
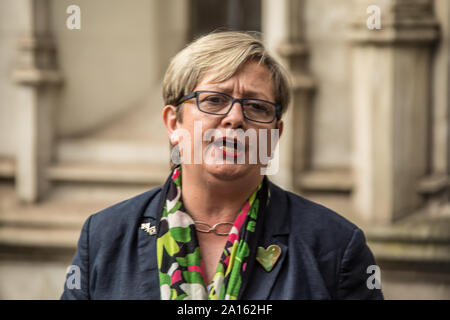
{"x":391,"y":106}
{"x":36,"y":73}
{"x":284,"y":31}
{"x":436,"y":185}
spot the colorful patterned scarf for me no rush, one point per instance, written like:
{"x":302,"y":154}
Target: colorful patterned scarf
{"x":181,"y":270}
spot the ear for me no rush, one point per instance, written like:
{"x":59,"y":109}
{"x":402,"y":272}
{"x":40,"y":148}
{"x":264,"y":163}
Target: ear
{"x":280,"y":128}
{"x":169,"y":115}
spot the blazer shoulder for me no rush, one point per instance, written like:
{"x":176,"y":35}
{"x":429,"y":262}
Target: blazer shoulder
{"x":318,"y":215}
{"x":125,"y":212}
{"x":309,"y":214}
{"x":318,"y":226}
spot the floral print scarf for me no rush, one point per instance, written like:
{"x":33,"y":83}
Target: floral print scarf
{"x":181,"y":270}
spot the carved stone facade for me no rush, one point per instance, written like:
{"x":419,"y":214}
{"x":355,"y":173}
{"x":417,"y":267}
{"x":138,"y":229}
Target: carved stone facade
{"x":391,"y":106}
{"x":37,"y":75}
{"x":367,"y":133}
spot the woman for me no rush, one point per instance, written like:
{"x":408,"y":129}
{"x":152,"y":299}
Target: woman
{"x":218,"y":228}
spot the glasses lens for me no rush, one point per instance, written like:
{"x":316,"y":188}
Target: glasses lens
{"x":259,"y":110}
{"x":219,"y":104}
{"x":215,"y":103}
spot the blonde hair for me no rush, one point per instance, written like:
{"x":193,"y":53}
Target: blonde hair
{"x":224,"y":52}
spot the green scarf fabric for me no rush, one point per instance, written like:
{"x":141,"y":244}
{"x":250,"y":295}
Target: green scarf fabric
{"x":181,"y":270}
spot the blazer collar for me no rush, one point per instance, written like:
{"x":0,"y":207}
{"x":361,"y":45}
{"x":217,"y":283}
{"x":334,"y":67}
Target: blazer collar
{"x":276,"y":216}
{"x":154,"y":209}
{"x":276,"y":227}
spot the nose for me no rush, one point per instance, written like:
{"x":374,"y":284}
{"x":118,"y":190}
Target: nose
{"x":235,"y":117}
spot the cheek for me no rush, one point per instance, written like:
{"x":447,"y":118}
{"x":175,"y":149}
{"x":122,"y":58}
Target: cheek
{"x":268,"y":139}
{"x":200,"y":130}
{"x":210,"y":129}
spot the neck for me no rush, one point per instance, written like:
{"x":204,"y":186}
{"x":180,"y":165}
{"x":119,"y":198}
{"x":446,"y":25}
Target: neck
{"x":212,"y":200}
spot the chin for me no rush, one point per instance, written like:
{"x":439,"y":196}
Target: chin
{"x":229,"y":172}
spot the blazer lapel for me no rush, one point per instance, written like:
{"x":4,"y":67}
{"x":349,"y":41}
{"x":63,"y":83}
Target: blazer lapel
{"x":276,"y":227}
{"x":261,"y":282}
{"x":146,"y":251}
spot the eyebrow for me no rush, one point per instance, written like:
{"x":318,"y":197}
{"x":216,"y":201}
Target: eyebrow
{"x":247,"y":93}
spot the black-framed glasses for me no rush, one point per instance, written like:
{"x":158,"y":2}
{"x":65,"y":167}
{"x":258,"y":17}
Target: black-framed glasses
{"x":220,"y":104}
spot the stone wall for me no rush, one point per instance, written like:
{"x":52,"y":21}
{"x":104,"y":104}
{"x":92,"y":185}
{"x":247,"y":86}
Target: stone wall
{"x":11,"y":25}
{"x":367,"y":133}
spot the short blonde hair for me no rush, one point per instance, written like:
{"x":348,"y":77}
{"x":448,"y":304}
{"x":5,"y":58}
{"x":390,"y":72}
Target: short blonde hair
{"x":224,"y":52}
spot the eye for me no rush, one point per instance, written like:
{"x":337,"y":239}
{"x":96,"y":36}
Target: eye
{"x":260,"y":107}
{"x":215,"y":99}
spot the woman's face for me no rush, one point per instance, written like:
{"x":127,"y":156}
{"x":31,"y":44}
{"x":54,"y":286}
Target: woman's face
{"x":219,"y":156}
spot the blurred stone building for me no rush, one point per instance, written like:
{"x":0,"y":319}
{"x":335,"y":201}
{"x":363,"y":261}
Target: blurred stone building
{"x":367,"y":134}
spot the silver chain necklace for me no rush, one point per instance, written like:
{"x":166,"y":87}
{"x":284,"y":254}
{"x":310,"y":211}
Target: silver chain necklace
{"x":213,"y":228}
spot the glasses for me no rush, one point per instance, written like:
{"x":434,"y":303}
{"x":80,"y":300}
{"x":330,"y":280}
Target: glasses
{"x":220,"y":104}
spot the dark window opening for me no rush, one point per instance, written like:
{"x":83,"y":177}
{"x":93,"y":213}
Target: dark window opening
{"x":210,"y":15}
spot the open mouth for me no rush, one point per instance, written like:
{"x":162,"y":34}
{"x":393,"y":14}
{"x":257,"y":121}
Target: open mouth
{"x":230,"y":147}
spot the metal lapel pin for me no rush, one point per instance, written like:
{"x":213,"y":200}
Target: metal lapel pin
{"x":268,"y":257}
{"x":147,"y":227}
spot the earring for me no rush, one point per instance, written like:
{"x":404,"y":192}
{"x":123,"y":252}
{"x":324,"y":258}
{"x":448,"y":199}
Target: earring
{"x":175,"y":155}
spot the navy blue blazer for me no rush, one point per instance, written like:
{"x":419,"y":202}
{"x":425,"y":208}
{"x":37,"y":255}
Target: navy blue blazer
{"x":324,"y":256}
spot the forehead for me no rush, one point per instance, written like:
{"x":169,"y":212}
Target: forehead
{"x":252,"y":78}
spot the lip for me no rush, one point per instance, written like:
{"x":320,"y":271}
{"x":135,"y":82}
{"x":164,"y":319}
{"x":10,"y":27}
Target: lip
{"x":230,"y":147}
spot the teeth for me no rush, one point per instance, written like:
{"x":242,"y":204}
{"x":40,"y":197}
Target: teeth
{"x":225,"y":148}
